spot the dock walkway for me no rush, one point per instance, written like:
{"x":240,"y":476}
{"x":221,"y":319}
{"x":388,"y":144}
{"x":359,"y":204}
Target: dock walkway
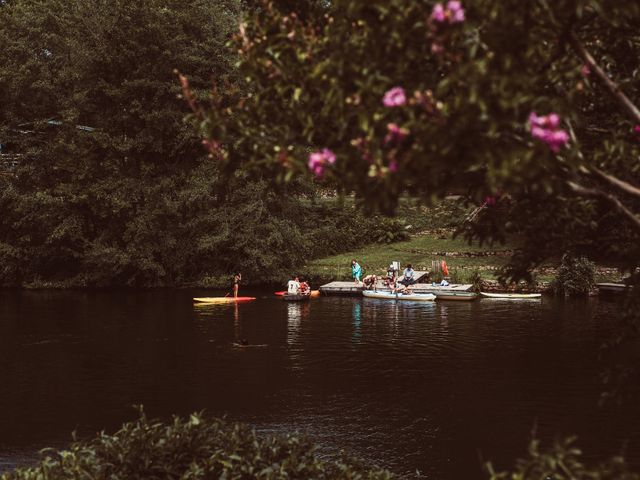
{"x":351,"y":289}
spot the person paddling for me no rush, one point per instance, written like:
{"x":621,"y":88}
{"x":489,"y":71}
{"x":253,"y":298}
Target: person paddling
{"x":236,"y":284}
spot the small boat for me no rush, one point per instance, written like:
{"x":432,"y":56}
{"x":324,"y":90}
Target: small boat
{"x":511,"y":295}
{"x":295,"y":297}
{"x":202,"y":300}
{"x":456,"y":295}
{"x":412,"y":297}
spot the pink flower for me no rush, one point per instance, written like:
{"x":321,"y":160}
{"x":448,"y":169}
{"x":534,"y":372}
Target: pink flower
{"x":394,"y":97}
{"x":318,"y":161}
{"x":437,"y":14}
{"x":452,"y":14}
{"x":456,"y":12}
{"x":393,"y":166}
{"x":553,"y":120}
{"x":545,"y":128}
{"x":437,"y":48}
{"x":585,"y":71}
{"x":395,"y":134}
{"x":636,"y":129}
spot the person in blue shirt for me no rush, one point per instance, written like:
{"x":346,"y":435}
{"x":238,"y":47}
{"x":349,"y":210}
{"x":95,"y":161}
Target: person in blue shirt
{"x":356,"y":271}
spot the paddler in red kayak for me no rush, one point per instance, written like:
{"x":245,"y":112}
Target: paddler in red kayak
{"x":236,"y":284}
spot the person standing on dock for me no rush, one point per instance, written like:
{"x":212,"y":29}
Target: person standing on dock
{"x":236,"y":284}
{"x":356,"y":271}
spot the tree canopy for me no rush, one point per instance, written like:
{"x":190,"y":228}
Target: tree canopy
{"x":526,"y":108}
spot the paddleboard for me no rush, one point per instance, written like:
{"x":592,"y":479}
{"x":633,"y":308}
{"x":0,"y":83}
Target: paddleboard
{"x":510,"y":295}
{"x":412,"y":297}
{"x":223,"y":299}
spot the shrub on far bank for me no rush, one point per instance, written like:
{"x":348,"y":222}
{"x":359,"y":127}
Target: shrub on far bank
{"x":195,"y":448}
{"x":575,"y":276}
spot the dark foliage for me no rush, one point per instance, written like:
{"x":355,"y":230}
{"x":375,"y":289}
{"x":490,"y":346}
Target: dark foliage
{"x":195,"y":448}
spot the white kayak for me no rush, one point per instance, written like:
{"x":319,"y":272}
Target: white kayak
{"x":511,"y":295}
{"x":412,"y":297}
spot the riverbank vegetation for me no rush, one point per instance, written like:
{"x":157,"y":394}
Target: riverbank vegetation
{"x":199,"y":447}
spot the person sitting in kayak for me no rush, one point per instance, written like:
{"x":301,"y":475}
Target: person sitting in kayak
{"x":370,"y":282}
{"x":236,"y":284}
{"x":356,"y":271}
{"x":305,"y":289}
{"x":408,"y":276}
{"x":392,"y":276}
{"x":293,"y":286}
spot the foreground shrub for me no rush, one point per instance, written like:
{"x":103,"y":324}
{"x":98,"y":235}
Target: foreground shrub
{"x":576,"y":276}
{"x":563,"y":462}
{"x":195,"y":448}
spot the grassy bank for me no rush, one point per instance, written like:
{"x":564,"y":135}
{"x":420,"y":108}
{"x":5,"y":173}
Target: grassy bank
{"x":462,"y":259}
{"x":432,"y":239}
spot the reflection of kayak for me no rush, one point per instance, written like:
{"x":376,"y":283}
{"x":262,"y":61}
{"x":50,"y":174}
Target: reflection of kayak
{"x":511,"y":295}
{"x":240,"y":345}
{"x":223,"y":299}
{"x":292,"y":297}
{"x":412,"y":297}
{"x":314,"y":293}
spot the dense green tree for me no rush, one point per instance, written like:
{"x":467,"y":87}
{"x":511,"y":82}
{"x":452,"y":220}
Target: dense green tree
{"x":112,"y":187}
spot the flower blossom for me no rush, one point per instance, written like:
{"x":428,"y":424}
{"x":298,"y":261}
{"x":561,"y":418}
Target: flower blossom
{"x":395,"y":134}
{"x":451,"y":14}
{"x":394,"y":97}
{"x":636,"y":129}
{"x":545,"y":128}
{"x":319,"y":160}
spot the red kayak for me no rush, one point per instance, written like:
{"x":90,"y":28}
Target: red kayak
{"x":314,"y":293}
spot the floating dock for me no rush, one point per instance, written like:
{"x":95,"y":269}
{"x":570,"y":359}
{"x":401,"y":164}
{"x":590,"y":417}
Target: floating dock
{"x":351,"y":289}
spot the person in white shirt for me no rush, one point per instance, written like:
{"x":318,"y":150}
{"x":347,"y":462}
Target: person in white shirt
{"x":408,"y":276}
{"x":293,"y":286}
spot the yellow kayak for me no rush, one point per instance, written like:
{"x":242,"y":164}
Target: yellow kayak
{"x":223,"y":299}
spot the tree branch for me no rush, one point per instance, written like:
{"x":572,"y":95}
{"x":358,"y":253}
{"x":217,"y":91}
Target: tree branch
{"x":595,"y":193}
{"x":613,"y":87}
{"x":616,"y":182}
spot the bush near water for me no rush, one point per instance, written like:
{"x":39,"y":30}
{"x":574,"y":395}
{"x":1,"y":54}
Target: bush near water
{"x":199,"y":447}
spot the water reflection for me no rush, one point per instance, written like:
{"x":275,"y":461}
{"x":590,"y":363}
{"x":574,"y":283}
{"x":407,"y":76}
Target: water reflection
{"x":356,"y":313}
{"x":296,"y":313}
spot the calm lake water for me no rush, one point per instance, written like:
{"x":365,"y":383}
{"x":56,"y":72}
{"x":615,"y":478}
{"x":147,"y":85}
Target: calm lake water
{"x":427,"y":387}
